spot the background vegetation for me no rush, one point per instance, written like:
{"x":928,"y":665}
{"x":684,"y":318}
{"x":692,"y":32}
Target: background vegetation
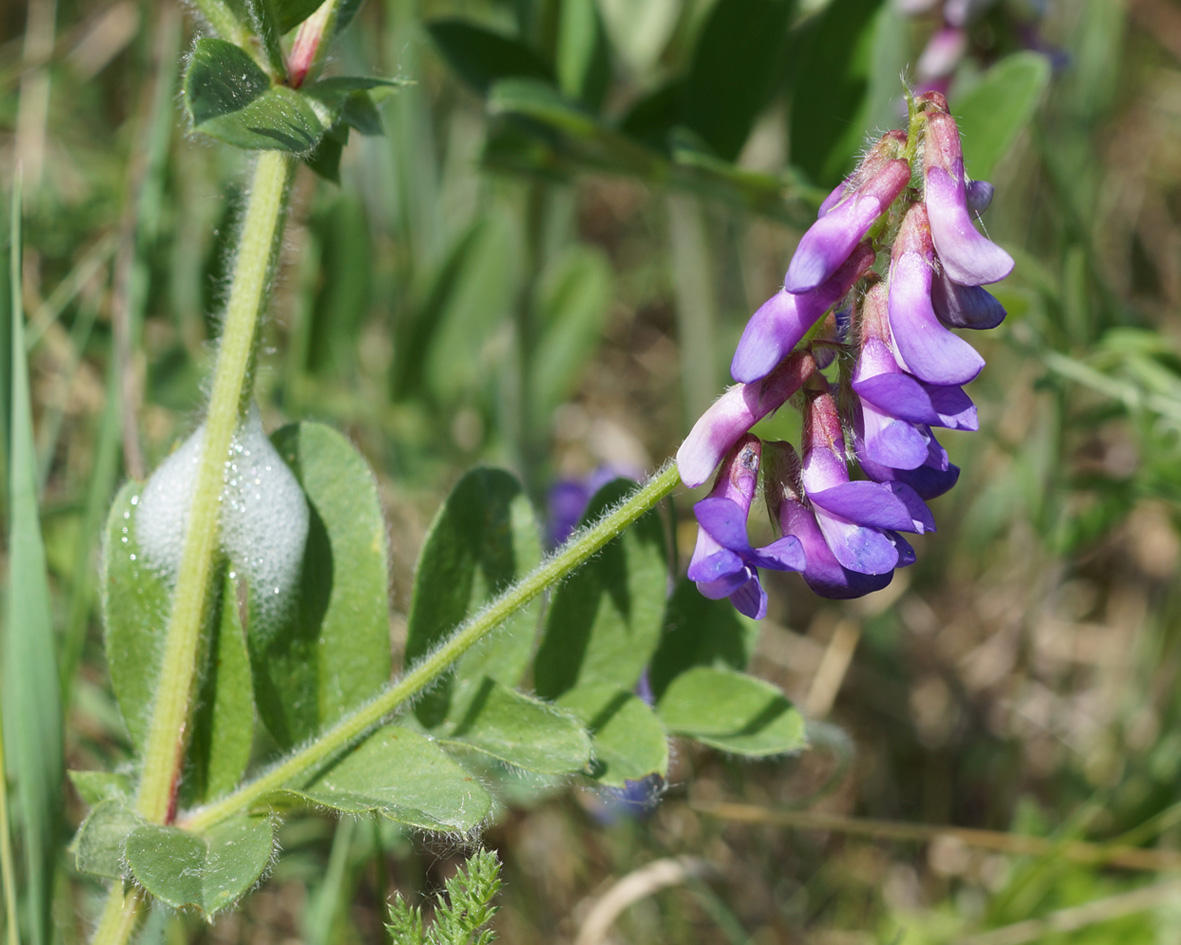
{"x":501,"y":279}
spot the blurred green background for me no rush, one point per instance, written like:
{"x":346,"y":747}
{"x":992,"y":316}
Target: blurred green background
{"x":554,"y":283}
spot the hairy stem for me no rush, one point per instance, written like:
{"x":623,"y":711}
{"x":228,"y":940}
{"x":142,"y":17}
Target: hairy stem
{"x":554,"y":569}
{"x":119,"y":915}
{"x":167,"y":736}
{"x":164,"y":754}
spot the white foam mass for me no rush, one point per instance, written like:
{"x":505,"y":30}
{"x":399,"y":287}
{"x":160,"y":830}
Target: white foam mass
{"x":264,"y":515}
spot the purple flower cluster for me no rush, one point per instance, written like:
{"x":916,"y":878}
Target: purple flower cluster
{"x":899,"y":372}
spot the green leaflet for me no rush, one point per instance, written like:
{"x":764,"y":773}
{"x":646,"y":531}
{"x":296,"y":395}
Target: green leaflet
{"x":604,"y":622}
{"x":993,"y":112}
{"x":629,"y":741}
{"x":700,"y":632}
{"x":230,"y":98}
{"x":209,"y":871}
{"x":99,"y":844}
{"x":400,"y":775}
{"x":482,"y":539}
{"x":733,"y":712}
{"x":330,"y":650}
{"x":517,"y":729}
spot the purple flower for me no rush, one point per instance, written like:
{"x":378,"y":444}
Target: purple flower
{"x":967,"y":257}
{"x":964,"y":306}
{"x":734,"y":413}
{"x":882,"y":385}
{"x":943,"y":53}
{"x":568,"y":499}
{"x":924,"y":347}
{"x":857,"y":519}
{"x":780,"y":322}
{"x":822,"y":572}
{"x":933,"y":478}
{"x":723,"y":563}
{"x":830,"y":240}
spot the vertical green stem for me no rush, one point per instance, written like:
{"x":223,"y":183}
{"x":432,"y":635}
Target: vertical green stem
{"x":119,"y":915}
{"x":261,"y":231}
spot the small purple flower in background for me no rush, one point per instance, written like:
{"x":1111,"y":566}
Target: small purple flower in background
{"x":892,"y":371}
{"x":959,"y":31}
{"x":568,"y":499}
{"x":724,"y":564}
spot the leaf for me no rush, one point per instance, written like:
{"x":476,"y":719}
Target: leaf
{"x":402,"y":776}
{"x":831,"y":82}
{"x":604,"y":622}
{"x":324,"y":158}
{"x":993,"y":112}
{"x":230,"y":98}
{"x":700,"y":632}
{"x":483,"y":537}
{"x":136,"y":604}
{"x":331,"y":650}
{"x":629,"y":741}
{"x":98,"y":846}
{"x":640,"y":29}
{"x":480,"y":57}
{"x":265,"y":19}
{"x":573,"y":303}
{"x":733,"y":70}
{"x":349,"y":99}
{"x":223,"y":722}
{"x":94,"y":787}
{"x":518,"y":729}
{"x":32,"y":711}
{"x":208,"y":871}
{"x":733,"y":712}
{"x":584,"y":62}
{"x":290,"y":13}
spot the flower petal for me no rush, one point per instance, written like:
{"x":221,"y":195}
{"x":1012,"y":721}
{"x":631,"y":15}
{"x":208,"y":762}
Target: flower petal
{"x":927,"y":349}
{"x":786,"y":554}
{"x":823,"y":573}
{"x":750,"y":599}
{"x":831,"y":239}
{"x":872,"y":504}
{"x":889,"y":440}
{"x":786,"y":317}
{"x":964,"y":306}
{"x":720,"y":571}
{"x":734,"y":413}
{"x":857,"y":547}
{"x":968,"y":257}
{"x":725,"y":522}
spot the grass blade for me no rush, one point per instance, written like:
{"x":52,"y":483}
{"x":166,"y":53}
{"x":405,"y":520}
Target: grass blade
{"x":31,"y":706}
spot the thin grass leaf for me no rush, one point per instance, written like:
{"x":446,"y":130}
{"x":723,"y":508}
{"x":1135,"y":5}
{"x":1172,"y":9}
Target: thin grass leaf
{"x":31,"y":700}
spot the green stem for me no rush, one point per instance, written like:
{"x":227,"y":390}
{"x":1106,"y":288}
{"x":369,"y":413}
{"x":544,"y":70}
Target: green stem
{"x":119,"y":915}
{"x":554,"y":569}
{"x":261,"y":229}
